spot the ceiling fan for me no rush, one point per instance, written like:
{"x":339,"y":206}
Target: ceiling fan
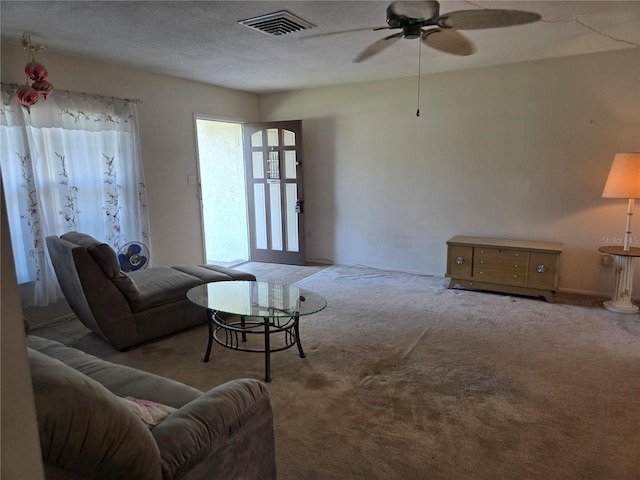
{"x":422,"y":19}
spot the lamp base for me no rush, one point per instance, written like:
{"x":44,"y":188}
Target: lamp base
{"x":621,"y":300}
{"x":620,"y":306}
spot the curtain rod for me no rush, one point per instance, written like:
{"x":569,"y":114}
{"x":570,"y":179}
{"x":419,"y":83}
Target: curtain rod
{"x":97,"y":96}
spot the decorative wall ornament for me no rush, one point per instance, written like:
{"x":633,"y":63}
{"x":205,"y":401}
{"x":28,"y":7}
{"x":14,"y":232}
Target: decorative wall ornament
{"x":30,"y":94}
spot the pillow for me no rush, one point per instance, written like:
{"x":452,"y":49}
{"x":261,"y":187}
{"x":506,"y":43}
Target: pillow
{"x":102,"y":253}
{"x":126,"y":285}
{"x":104,"y":256}
{"x":151,"y":413}
{"x":81,"y":239}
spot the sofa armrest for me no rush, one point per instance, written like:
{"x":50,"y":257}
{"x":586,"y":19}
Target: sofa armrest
{"x":225,"y":433}
{"x":85,"y":431}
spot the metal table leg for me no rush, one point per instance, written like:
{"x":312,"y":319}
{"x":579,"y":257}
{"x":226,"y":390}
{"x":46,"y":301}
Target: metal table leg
{"x":210,"y":342}
{"x":267,"y":352}
{"x":296,"y":331}
{"x":243,"y":325}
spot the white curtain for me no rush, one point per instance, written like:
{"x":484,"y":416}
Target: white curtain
{"x":70,"y":162}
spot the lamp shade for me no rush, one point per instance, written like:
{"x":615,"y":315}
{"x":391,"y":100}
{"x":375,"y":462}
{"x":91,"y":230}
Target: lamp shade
{"x":624,"y":177}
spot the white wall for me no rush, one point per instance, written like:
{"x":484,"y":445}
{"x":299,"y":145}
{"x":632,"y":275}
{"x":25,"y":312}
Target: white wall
{"x":516,"y":151}
{"x":19,"y":442}
{"x":167,"y":135}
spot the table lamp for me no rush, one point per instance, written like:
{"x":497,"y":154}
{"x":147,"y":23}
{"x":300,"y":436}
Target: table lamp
{"x":624,"y":182}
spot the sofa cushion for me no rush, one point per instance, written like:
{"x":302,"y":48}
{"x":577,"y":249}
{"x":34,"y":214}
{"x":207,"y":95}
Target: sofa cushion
{"x":81,"y":239}
{"x":127,"y":286}
{"x":159,"y":286}
{"x":102,"y":253}
{"x":203,"y":274}
{"x":121,"y":380}
{"x":104,"y":256}
{"x":215,"y":273}
{"x":107,"y":259}
{"x":234,"y":274}
{"x":84,"y":428}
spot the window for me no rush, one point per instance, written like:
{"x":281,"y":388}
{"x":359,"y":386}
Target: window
{"x":71,"y":162}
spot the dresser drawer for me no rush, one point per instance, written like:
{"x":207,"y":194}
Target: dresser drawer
{"x":501,"y":273}
{"x":505,"y":256}
{"x":543,"y":269}
{"x":459,"y":261}
{"x":501,"y":265}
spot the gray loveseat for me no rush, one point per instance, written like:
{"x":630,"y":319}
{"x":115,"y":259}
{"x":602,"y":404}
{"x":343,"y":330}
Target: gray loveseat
{"x":128,"y":308}
{"x":88,"y":432}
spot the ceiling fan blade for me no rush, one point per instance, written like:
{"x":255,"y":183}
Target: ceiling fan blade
{"x":478,"y":19}
{"x":422,"y":10}
{"x":329,"y":34}
{"x":448,"y":41}
{"x":377,"y":47}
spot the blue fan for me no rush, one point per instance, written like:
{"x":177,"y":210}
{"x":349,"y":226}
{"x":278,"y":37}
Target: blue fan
{"x":133,"y":256}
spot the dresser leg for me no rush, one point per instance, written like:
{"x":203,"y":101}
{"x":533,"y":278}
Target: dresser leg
{"x":548,"y":296}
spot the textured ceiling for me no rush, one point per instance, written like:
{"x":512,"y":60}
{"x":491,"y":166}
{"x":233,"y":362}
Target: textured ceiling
{"x":203,"y":41}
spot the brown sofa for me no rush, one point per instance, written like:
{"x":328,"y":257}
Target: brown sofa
{"x":89,"y":431}
{"x":128,"y":308}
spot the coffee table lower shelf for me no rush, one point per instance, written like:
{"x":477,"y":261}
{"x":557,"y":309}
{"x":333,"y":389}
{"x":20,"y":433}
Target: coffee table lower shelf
{"x":231,"y":332}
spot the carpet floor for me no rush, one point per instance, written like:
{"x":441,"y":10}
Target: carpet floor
{"x":405,"y":379}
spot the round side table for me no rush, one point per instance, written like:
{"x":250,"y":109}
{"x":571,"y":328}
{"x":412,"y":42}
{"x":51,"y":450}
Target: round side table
{"x":621,"y":300}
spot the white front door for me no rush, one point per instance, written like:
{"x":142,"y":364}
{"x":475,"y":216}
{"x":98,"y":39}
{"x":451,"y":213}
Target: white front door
{"x":275,"y":192}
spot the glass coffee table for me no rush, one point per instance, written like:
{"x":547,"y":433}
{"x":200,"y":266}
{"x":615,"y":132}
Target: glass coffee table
{"x":240,"y":308}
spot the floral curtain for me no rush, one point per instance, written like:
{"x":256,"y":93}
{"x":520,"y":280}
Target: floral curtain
{"x":71,"y":162}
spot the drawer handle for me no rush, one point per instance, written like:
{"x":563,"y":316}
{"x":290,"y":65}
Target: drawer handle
{"x":460,"y":260}
{"x":541,"y":268}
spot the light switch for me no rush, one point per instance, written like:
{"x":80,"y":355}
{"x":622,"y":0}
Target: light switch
{"x":191,"y":179}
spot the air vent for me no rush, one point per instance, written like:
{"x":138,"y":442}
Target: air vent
{"x":278,"y":23}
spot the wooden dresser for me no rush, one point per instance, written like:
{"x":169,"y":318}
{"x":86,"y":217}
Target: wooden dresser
{"x":520,"y":267}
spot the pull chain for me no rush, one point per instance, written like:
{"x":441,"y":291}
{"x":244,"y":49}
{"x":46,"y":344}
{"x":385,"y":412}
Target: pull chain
{"x":419,"y":65}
